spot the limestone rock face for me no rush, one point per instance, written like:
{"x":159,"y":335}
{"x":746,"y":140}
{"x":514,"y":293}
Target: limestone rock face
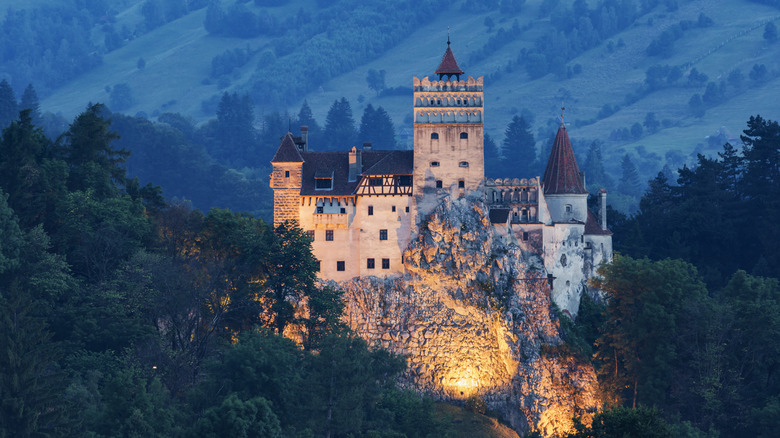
{"x":473,"y":317}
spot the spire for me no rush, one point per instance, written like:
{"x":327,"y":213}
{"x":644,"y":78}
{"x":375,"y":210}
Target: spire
{"x":562,"y":174}
{"x":287,"y":152}
{"x":449,"y":66}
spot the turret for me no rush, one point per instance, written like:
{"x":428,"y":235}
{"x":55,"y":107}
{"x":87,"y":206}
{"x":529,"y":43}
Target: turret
{"x":286,"y":179}
{"x":564,"y":185}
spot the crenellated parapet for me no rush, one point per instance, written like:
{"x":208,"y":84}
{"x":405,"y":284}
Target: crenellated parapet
{"x":426,"y":85}
{"x":448,"y":101}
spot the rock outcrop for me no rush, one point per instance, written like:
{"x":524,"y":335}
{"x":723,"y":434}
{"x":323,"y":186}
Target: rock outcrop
{"x":473,"y":316}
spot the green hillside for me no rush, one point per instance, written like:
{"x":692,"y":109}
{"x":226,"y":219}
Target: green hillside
{"x":178,"y":58}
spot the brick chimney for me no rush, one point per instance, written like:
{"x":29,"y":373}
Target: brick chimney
{"x":355,"y":164}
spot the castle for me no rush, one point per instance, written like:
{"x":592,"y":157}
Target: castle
{"x":362,"y":207}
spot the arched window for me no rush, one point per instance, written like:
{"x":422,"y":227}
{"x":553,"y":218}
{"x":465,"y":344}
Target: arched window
{"x":464,"y":135}
{"x":434,"y":135}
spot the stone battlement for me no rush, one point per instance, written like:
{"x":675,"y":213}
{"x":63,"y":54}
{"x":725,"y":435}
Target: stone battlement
{"x":425,"y":84}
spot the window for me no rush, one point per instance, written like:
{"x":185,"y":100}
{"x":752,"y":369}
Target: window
{"x":343,"y":210}
{"x":464,"y":164}
{"x":405,"y":180}
{"x":461,"y":184}
{"x":320,"y":210}
{"x":525,"y":235}
{"x":407,"y":209}
{"x":464,"y":135}
{"x":329,"y":235}
{"x":340,"y":265}
{"x":382,"y":234}
{"x":438,"y":184}
{"x":370,"y":210}
{"x":434,"y":164}
{"x":286,"y":173}
{"x":375,"y":182}
{"x":369,"y":263}
{"x":568,"y":208}
{"x":310,"y":234}
{"x":323,"y":183}
{"x":394,"y":209}
{"x":435,"y":135}
{"x":385,"y":263}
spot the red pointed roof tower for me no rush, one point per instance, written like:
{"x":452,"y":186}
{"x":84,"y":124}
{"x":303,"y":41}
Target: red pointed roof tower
{"x":449,"y":66}
{"x":562,"y":176}
{"x":288,"y":152}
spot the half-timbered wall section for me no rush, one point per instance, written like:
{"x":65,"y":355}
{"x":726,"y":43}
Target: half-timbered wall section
{"x":385,"y":185}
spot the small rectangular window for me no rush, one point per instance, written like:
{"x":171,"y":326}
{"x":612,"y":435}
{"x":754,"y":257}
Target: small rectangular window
{"x":310,"y":234}
{"x":329,"y":235}
{"x":464,"y":164}
{"x":461,"y":184}
{"x":343,"y":210}
{"x":370,"y":210}
{"x":370,"y":263}
{"x":320,"y":210}
{"x":407,"y":209}
{"x":438,"y":184}
{"x":525,"y":235}
{"x":405,"y":180}
{"x":340,"y":265}
{"x":385,"y":263}
{"x":394,"y":209}
{"x":382,"y":234}
{"x":434,"y":164}
{"x":286,"y":173}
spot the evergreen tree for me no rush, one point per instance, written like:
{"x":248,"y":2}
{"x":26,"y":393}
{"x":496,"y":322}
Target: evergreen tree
{"x":494,"y":165}
{"x":629,"y":180}
{"x":235,"y":132}
{"x":377,"y":128}
{"x":594,"y":168}
{"x":9,"y":109}
{"x":30,"y":101}
{"x":519,"y":147}
{"x":306,"y":118}
{"x":339,"y":126}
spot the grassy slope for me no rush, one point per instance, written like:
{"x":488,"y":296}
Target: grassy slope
{"x":465,"y":424}
{"x":178,"y":58}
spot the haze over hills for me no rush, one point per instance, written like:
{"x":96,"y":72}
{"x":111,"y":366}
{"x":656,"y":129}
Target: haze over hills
{"x":603,"y":85}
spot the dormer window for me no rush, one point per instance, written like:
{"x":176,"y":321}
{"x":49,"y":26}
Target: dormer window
{"x":323,"y":180}
{"x":434,"y":135}
{"x":464,"y":135}
{"x":434,"y":164}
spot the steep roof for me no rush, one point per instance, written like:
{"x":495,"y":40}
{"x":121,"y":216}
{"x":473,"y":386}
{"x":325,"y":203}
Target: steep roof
{"x":499,"y":215}
{"x":394,"y":163}
{"x":592,"y":226}
{"x":448,"y":66}
{"x":562,"y":174}
{"x":288,"y":151}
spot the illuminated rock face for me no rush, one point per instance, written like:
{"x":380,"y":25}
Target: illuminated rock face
{"x":473,"y":316}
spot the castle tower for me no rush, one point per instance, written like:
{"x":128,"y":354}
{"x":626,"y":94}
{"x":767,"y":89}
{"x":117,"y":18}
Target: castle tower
{"x":564,"y":185}
{"x":448,"y":139}
{"x":286,"y":179}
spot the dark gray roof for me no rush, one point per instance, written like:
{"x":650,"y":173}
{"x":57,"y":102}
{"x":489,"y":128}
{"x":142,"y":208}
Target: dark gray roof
{"x":288,"y":151}
{"x":499,"y":215}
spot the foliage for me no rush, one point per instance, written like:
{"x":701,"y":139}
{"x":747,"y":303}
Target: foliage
{"x":377,"y":128}
{"x":476,"y":404}
{"x":339,"y":132}
{"x":624,"y":422}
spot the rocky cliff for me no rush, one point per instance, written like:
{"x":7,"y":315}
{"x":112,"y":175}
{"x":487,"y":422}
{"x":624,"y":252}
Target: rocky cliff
{"x":474,"y":317}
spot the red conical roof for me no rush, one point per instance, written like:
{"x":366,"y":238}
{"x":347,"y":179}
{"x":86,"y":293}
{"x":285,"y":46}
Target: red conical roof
{"x":287,"y":152}
{"x":562,"y":174}
{"x":448,"y":66}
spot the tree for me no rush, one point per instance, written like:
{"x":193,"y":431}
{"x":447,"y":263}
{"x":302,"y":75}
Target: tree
{"x":30,"y":101}
{"x":376,"y":80}
{"x":339,"y":126}
{"x":594,"y":167}
{"x":629,"y":179}
{"x":215,"y":18}
{"x":306,"y":118}
{"x":636,"y":130}
{"x":623,"y":422}
{"x":8,"y":106}
{"x":377,"y":128}
{"x":697,"y":105}
{"x":121,"y":97}
{"x":519,"y":147}
{"x":235,"y":132}
{"x":770,"y":32}
{"x":651,"y":123}
{"x":252,"y":418}
{"x":92,"y":162}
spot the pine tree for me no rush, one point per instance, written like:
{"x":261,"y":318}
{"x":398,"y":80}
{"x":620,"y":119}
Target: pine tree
{"x":339,"y":126}
{"x":594,"y":168}
{"x":236,"y":136}
{"x":377,"y":128}
{"x":306,"y":118}
{"x":519,"y":147}
{"x":30,"y":101}
{"x":629,"y":181}
{"x":9,"y":109}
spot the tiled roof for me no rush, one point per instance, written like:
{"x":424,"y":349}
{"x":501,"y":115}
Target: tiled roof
{"x":393,"y":163}
{"x":562,"y":174}
{"x":287,"y":152}
{"x":323,"y":164}
{"x":449,"y":66}
{"x":592,"y":226}
{"x":499,"y":215}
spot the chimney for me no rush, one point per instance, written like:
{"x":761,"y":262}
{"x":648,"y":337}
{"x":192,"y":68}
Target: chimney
{"x":582,"y":178}
{"x":305,"y":137}
{"x":367,"y":146}
{"x":603,"y":209}
{"x":355,"y":164}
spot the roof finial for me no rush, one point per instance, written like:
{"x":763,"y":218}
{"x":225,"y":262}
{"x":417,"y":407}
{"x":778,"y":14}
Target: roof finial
{"x":448,"y":36}
{"x":563,"y":108}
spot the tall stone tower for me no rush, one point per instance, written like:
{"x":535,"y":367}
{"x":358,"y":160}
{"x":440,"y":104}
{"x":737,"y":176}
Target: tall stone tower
{"x":448,"y":140}
{"x":286,"y":179}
